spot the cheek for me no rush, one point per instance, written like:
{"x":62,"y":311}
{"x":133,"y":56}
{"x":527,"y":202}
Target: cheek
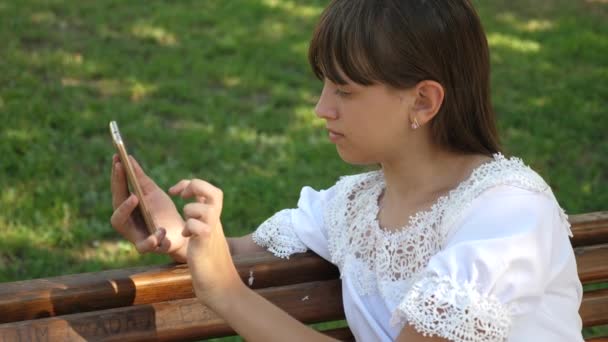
{"x":363,"y":147}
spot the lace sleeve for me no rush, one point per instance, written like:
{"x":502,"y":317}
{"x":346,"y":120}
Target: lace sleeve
{"x":439,"y":306}
{"x":278,"y":236}
{"x":493,"y":271}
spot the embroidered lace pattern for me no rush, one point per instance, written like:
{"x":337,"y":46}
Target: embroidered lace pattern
{"x":277,"y":235}
{"x":440,"y":306}
{"x":390,"y":262}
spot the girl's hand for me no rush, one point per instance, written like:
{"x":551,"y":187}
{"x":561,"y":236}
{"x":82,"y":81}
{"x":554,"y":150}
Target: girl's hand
{"x":213,"y":273}
{"x":129,"y":222}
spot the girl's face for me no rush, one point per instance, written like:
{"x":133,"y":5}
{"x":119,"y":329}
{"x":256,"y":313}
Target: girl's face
{"x":368,"y":124}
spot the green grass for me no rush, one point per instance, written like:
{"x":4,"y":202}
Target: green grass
{"x":221,"y":90}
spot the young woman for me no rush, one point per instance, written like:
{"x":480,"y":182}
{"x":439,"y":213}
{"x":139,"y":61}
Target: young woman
{"x":448,"y":240}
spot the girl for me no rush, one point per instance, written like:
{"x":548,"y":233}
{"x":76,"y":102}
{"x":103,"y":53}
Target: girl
{"x":448,"y":240}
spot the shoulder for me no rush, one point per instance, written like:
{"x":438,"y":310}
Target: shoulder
{"x":344,"y":190}
{"x":506,"y":192}
{"x":512,"y":206}
{"x":350,"y":187}
{"x":510,"y":172}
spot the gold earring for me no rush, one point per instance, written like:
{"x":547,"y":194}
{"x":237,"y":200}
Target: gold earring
{"x":415,"y":124}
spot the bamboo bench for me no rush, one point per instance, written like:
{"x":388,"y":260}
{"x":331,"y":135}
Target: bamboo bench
{"x":156,"y":303}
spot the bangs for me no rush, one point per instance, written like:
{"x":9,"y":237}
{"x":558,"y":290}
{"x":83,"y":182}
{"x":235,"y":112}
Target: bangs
{"x":343,"y":44}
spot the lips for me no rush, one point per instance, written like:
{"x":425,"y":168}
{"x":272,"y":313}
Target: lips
{"x":334,"y":136}
{"x":331,"y":131}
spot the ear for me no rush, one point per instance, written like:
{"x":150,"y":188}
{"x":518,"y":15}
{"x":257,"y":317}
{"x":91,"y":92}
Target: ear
{"x":428,"y":100}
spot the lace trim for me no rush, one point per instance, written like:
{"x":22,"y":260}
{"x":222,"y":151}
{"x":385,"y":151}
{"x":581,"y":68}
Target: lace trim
{"x":387,"y":261}
{"x":458,"y":312}
{"x":277,"y":235}
{"x":565,"y":221}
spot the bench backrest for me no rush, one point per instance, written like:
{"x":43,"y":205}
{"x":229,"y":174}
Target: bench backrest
{"x":156,"y":302}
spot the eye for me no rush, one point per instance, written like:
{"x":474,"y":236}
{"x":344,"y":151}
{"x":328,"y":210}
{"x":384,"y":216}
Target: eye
{"x":341,"y":92}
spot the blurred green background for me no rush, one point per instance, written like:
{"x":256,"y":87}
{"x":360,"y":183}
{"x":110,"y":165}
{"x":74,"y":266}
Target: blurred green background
{"x":221,"y":90}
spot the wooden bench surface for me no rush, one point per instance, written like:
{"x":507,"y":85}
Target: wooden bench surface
{"x":156,"y":302}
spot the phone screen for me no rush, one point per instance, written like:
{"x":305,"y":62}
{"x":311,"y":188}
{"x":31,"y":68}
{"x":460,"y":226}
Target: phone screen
{"x":124,"y":158}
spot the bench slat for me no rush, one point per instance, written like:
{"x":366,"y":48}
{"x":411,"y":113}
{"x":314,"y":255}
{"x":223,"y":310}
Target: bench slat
{"x":141,"y":285}
{"x":184,"y":319}
{"x":129,"y":300}
{"x":592,"y":263}
{"x":110,"y":289}
{"x":589,"y":229}
{"x":84,"y":292}
{"x":594,"y":309}
{"x":342,"y":334}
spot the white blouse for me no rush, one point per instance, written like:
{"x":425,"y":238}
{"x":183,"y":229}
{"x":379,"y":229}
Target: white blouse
{"x":490,"y":261}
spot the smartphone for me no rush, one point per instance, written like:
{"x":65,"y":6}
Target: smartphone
{"x":134,"y":184}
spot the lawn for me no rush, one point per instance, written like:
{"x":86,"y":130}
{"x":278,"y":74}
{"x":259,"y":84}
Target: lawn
{"x":221,"y":90}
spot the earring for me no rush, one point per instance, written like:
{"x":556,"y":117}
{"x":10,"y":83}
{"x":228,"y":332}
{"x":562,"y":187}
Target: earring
{"x":415,"y":124}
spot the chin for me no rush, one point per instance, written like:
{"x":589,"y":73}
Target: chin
{"x":360,"y":159}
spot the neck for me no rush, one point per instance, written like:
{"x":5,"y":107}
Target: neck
{"x":426,"y":175}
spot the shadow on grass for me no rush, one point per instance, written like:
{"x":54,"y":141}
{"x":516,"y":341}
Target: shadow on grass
{"x":547,"y":89}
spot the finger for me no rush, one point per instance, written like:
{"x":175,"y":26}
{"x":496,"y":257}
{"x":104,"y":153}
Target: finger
{"x":195,"y":227}
{"x":151,"y":243}
{"x":201,"y":188}
{"x":199,"y":211}
{"x":179,"y":187}
{"x":118,"y":184}
{"x":120,"y":216}
{"x":146,"y":183}
{"x":120,"y":220}
{"x":165,"y":244}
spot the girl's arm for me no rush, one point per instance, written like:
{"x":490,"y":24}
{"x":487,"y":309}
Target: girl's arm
{"x":256,"y":319}
{"x":215,"y":279}
{"x":237,"y":245}
{"x":244,"y":245}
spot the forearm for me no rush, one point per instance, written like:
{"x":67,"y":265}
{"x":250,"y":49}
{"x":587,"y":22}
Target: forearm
{"x":244,"y":245}
{"x":233,"y":245}
{"x":237,"y":245}
{"x":256,"y":319}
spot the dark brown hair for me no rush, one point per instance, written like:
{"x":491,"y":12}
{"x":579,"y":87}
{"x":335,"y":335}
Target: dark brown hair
{"x":402,"y":42}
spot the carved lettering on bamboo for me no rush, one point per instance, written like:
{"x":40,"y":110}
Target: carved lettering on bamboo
{"x":114,"y":324}
{"x":183,"y":314}
{"x":34,"y":334}
{"x":110,"y":324}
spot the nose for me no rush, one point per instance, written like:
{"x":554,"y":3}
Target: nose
{"x":326,"y":106}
